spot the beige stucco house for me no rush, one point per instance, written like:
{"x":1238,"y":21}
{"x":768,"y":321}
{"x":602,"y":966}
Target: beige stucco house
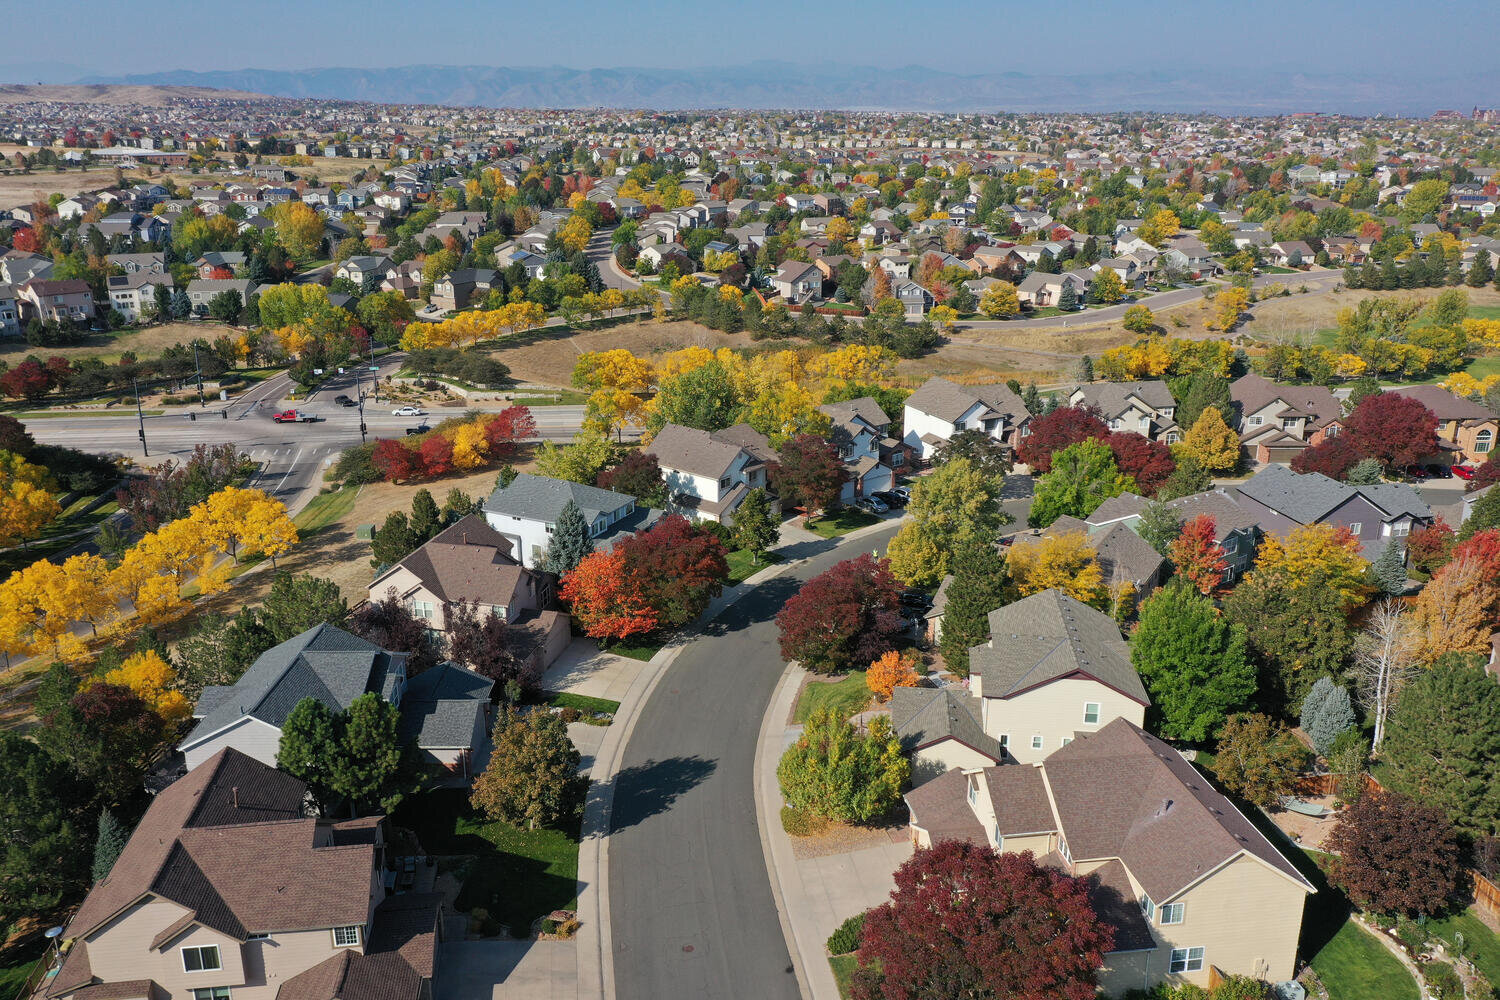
{"x":1188,"y":883}
{"x":226,"y":889}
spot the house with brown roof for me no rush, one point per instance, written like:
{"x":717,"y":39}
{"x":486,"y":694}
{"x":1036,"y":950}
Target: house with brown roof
{"x":1189,"y":884}
{"x":66,"y":300}
{"x":858,"y":428}
{"x":226,"y":889}
{"x":709,"y":473}
{"x":1236,"y":527}
{"x":1146,"y":408}
{"x":1467,"y":431}
{"x":470,"y":562}
{"x":1277,"y":422}
{"x":940,"y":408}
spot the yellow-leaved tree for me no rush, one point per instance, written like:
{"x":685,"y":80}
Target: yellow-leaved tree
{"x":1063,"y":562}
{"x":1452,"y":614}
{"x":1327,"y":552}
{"x":154,"y":681}
{"x":470,"y":446}
{"x":1000,"y":300}
{"x":1211,"y":441}
{"x":27,"y":502}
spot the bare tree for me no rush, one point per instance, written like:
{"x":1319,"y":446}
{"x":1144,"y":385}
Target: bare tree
{"x":1384,"y":657}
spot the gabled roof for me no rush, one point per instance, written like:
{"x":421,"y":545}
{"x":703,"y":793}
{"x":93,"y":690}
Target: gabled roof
{"x":1308,"y":498}
{"x":924,"y":716}
{"x":1019,"y":796}
{"x":864,"y":408}
{"x":325,"y":662}
{"x":541,"y":498}
{"x":1444,"y":404}
{"x":1113,"y":398}
{"x":1049,"y":636}
{"x":469,"y":561}
{"x":1123,"y":555}
{"x":711,"y":455}
{"x":1122,"y":793}
{"x":1251,"y":392}
{"x":949,"y":401}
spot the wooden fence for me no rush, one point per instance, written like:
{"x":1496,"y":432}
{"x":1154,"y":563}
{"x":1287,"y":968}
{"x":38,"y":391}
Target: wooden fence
{"x":1486,"y":898}
{"x":1315,"y":785}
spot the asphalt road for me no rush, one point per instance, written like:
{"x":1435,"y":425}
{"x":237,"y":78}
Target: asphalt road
{"x":601,"y":251}
{"x":691,"y":910}
{"x":292,"y":456}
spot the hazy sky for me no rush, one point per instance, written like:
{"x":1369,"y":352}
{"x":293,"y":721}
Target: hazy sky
{"x":967,"y":36}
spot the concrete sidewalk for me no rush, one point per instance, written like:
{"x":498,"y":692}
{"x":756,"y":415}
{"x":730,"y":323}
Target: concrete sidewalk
{"x":813,"y":895}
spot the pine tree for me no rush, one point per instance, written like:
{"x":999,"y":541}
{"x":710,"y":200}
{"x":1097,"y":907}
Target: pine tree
{"x":1326,"y":712}
{"x":1389,"y":569}
{"x":570,"y":542}
{"x":1032,"y":399}
{"x":980,"y":585}
{"x":394,"y":540}
{"x":426,"y":519}
{"x":1084,"y":371}
{"x":755,"y":527}
{"x":1067,"y":299}
{"x":108,"y":844}
{"x":182,"y":306}
{"x":1481,"y":273}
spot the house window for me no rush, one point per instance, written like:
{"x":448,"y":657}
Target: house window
{"x":1036,"y":743}
{"x":344,"y":937}
{"x":724,"y":482}
{"x":1186,"y":960}
{"x":995,"y":836}
{"x":212,"y":993}
{"x":1005,"y":741}
{"x":1148,"y":908}
{"x":897,"y":460}
{"x":1482,"y":442}
{"x":257,"y":937}
{"x":1289,"y":423}
{"x":203,"y":958}
{"x":1400,"y":529}
{"x":1171,"y":913}
{"x":1065,"y":741}
{"x":424,"y":610}
{"x":1255,"y":421}
{"x":973,"y":791}
{"x":1331,"y":431}
{"x":1091,"y":713}
{"x":1356,"y":527}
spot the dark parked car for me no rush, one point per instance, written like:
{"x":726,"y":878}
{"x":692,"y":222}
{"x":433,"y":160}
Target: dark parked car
{"x":890,"y":498}
{"x":916,"y":599}
{"x":344,"y":401}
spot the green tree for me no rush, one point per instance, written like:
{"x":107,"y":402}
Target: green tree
{"x":309,"y":744}
{"x":1327,"y":711}
{"x":299,"y":601}
{"x":952,"y":505}
{"x":220,"y":649}
{"x":532,"y":776}
{"x":394,"y":540}
{"x":1192,"y":661}
{"x":1202,"y":390}
{"x":1365,"y":472}
{"x":570,"y":543}
{"x":108,"y":844}
{"x":426,"y":518}
{"x":702,"y":397}
{"x":834,"y":772}
{"x":367,"y":769}
{"x":44,"y":854}
{"x":1389,"y":568}
{"x":1298,"y":632}
{"x":1442,"y":743}
{"x":1484,"y":515}
{"x":579,"y":461}
{"x":756,"y":528}
{"x":980,"y":584}
{"x":1258,"y":759}
{"x":985,"y":453}
{"x":1083,"y":476}
{"x":1188,"y":478}
{"x":1159,"y":527}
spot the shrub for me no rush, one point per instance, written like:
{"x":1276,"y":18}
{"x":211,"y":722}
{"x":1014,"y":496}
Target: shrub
{"x":799,"y":823}
{"x":1412,"y":934}
{"x":846,"y":938}
{"x":570,"y":714}
{"x":354,"y":467}
{"x":547,"y":926}
{"x":1442,"y":981}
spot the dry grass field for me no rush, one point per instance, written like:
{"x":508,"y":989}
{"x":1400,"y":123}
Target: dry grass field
{"x":123,"y":94}
{"x":145,"y":342}
{"x":23,"y":189}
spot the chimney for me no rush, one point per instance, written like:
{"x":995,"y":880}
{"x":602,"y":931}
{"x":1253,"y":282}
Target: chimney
{"x":234,"y":796}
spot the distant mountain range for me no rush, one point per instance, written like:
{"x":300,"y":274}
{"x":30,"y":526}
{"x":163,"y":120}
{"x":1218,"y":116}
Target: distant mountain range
{"x":783,"y":85}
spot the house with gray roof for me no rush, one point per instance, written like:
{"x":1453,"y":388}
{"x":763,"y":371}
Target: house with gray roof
{"x":939,"y":729}
{"x":1129,"y":564}
{"x":858,"y":428}
{"x":1188,"y":883}
{"x":325,"y":663}
{"x":1146,"y":408}
{"x":1236,"y":527}
{"x":526,"y":513}
{"x":1053,"y":669}
{"x":940,"y":408}
{"x":1283,"y":500}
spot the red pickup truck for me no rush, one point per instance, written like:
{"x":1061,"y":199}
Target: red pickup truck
{"x":293,"y":417}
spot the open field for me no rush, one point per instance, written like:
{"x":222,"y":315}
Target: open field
{"x":1304,"y":315}
{"x":547,"y":356}
{"x":97,"y":93}
{"x":23,"y":189}
{"x":146,"y":342}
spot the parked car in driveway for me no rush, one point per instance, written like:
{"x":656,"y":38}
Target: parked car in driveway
{"x":871,"y":505}
{"x":890,"y":498}
{"x":904,"y":492}
{"x":1464,"y":471}
{"x":408,"y":411}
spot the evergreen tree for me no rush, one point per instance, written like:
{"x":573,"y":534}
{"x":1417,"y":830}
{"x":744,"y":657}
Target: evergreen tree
{"x":297,"y":602}
{"x":1067,"y":299}
{"x":755,"y":527}
{"x":108,"y":844}
{"x":1365,"y":472}
{"x":1481,"y":272}
{"x":1455,"y":275}
{"x":1193,"y":663}
{"x":1084,"y":371}
{"x":367,"y":767}
{"x":1203,"y":389}
{"x":44,"y":854}
{"x":1389,"y":568}
{"x":394,"y":540}
{"x":181,"y":305}
{"x":309,"y":741}
{"x":980,"y":584}
{"x":570,"y":542}
{"x":426,"y":519}
{"x":1032,"y":399}
{"x":1326,"y":712}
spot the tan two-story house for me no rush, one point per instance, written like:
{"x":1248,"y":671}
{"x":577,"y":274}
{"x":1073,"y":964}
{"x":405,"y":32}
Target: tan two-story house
{"x":1277,"y":422}
{"x":1188,"y":883}
{"x":1466,"y":430}
{"x":709,"y":474}
{"x":1146,"y":408}
{"x":226,"y":891}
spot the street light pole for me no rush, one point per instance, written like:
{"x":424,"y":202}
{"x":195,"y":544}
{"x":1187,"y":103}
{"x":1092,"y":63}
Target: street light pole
{"x":140,"y":418}
{"x":199,"y":369}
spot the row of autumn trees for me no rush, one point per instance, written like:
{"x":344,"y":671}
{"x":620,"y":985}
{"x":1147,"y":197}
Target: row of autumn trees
{"x":472,"y":441}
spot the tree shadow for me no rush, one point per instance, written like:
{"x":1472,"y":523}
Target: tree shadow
{"x":760,"y":605}
{"x":646,"y":790}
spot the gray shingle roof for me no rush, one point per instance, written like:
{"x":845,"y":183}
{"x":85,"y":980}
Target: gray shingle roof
{"x":1112,"y":397}
{"x":1048,"y":636}
{"x":923,"y":716}
{"x":540,"y":498}
{"x":1308,"y":498}
{"x":949,"y":400}
{"x":324,"y":662}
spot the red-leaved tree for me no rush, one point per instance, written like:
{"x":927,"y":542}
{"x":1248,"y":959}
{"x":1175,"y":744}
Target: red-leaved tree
{"x":1055,"y":431}
{"x":29,"y":380}
{"x":810,"y":474}
{"x":508,"y":428}
{"x":1150,"y":462}
{"x":1487,"y":474}
{"x":1398,"y":430}
{"x":1431,"y":547}
{"x":395,"y":462}
{"x":676,"y":568}
{"x":27,"y":240}
{"x":846,"y":616}
{"x":966,"y":921}
{"x":1333,"y":457}
{"x":437,"y":456}
{"x":1393,"y":855}
{"x":603,"y":599}
{"x":1197,"y":554}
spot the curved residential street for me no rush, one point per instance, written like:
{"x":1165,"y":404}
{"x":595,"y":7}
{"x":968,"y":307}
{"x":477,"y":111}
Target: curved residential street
{"x":691,"y":910}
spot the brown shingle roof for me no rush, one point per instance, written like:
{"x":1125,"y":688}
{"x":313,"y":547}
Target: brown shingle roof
{"x":470,"y":561}
{"x":941,"y":808}
{"x":1019,"y":796}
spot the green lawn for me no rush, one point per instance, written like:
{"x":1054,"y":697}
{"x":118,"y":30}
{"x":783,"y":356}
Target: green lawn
{"x":1352,"y":964}
{"x":637,"y":648}
{"x":846,"y":696}
{"x":517,"y":875}
{"x":583,"y":703}
{"x":16,"y":965}
{"x":841,"y":522}
{"x":1480,"y":943}
{"x":843,"y":971}
{"x":323,"y":509}
{"x":742,"y":566}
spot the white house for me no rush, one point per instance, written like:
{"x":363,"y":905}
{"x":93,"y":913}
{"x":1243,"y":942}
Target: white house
{"x":526,"y":513}
{"x":940,"y":409}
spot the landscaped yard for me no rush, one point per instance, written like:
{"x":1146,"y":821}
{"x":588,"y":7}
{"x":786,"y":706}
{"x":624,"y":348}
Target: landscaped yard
{"x":845,"y":696}
{"x":1352,"y":964}
{"x":516,"y":875}
{"x":843,"y":971}
{"x":741,"y":565}
{"x":1480,"y":943}
{"x":637,"y":648}
{"x":17,"y":965}
{"x":841,"y":522}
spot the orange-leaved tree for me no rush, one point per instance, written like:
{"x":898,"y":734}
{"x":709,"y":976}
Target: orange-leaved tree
{"x":605,"y":600}
{"x":1197,"y":555}
{"x":890,"y":671}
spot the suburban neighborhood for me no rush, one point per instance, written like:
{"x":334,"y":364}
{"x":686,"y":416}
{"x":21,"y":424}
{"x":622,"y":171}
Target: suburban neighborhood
{"x":456,"y":551}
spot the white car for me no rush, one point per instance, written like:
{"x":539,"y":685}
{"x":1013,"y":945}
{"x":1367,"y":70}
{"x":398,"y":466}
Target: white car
{"x":408,"y":411}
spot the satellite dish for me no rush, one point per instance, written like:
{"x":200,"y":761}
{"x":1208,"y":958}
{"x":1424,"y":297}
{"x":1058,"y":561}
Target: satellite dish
{"x":53,"y":932}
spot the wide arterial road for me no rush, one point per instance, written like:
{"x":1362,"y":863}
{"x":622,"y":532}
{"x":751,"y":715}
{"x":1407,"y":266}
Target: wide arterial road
{"x":691,"y":911}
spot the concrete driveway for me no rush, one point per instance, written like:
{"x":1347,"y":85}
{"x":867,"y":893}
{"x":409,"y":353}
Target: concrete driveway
{"x":505,"y":969}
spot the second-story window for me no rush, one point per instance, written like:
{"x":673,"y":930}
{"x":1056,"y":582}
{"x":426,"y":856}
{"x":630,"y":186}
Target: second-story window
{"x":724,"y":483}
{"x":345,"y":937}
{"x":202,"y":958}
{"x":1091,"y":713}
